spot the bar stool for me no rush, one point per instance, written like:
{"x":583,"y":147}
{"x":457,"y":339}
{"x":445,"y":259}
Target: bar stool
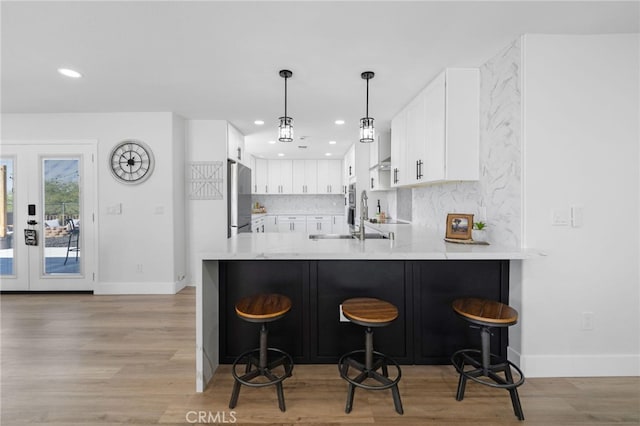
{"x":486,"y":314}
{"x":369,"y":312}
{"x":262,"y":308}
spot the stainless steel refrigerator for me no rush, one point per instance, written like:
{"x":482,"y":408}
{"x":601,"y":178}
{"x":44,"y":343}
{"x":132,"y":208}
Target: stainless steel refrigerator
{"x":239,"y":198}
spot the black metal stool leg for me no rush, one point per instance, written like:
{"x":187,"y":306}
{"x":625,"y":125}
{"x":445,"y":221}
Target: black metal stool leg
{"x":280,"y":397}
{"x":515,"y":398}
{"x":462,"y":384}
{"x":350,"y":393}
{"x":396,"y":399}
{"x":234,"y":395}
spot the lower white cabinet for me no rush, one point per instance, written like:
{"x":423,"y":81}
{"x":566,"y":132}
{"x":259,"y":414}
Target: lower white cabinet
{"x":292,"y":224}
{"x":320,"y":224}
{"x":258,"y":225}
{"x":339,"y":224}
{"x":271,"y":223}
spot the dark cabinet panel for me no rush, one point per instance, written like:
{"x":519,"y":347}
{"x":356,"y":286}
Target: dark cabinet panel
{"x":439,"y":332}
{"x":239,"y":279}
{"x":426,"y":332}
{"x":336,"y":281}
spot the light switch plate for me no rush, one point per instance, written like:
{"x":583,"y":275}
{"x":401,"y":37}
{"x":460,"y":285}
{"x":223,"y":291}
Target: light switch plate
{"x":560,"y":217}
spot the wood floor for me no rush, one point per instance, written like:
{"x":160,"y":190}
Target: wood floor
{"x":125,"y":360}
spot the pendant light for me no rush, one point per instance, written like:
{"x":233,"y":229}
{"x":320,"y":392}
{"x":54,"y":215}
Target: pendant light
{"x":285,"y":129}
{"x":367,"y":131}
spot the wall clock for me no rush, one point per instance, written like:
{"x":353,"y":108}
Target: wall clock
{"x":131,"y":161}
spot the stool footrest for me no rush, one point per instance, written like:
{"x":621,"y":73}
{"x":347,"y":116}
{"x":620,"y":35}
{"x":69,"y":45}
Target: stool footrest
{"x":473,"y":358}
{"x":381,"y":362}
{"x":253,"y":370}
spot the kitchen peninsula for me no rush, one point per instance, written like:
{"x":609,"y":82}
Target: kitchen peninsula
{"x":417,"y":271}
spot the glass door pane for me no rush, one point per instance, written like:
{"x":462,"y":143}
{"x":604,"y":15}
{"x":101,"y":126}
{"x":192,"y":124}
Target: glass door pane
{"x":7,"y":251}
{"x":61,"y":216}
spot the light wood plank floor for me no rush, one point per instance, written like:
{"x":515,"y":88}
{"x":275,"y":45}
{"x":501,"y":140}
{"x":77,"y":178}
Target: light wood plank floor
{"x":122,"y":360}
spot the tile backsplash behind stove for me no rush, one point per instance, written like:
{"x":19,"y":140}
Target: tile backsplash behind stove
{"x":301,"y":204}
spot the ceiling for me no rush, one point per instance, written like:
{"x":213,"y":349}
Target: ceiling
{"x":220,"y":60}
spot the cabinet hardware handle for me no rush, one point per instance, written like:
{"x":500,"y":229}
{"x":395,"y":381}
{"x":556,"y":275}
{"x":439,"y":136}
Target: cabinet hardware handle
{"x":371,"y":183}
{"x":239,"y":153}
{"x":266,"y":189}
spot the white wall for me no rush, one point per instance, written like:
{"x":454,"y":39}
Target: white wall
{"x":207,"y":219}
{"x":144,"y":233}
{"x":580,"y":101}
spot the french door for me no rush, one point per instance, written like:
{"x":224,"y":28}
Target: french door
{"x":47,"y":216}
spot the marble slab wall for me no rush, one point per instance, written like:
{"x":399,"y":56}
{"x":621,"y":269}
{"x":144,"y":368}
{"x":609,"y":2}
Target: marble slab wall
{"x":302,"y":204}
{"x":496,"y":197}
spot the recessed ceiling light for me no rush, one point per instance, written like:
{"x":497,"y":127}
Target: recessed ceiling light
{"x":328,"y":154}
{"x":272,"y":142}
{"x":69,"y":72}
{"x":258,"y":122}
{"x":332,"y":142}
{"x":280,"y":154}
{"x":339,"y":122}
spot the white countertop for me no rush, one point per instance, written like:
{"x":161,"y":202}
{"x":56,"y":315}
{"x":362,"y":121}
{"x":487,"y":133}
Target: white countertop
{"x":411,"y":242}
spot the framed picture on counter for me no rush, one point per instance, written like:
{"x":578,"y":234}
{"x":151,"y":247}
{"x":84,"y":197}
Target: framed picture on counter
{"x":459,"y":226}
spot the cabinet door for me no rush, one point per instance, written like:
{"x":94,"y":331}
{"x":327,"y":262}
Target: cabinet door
{"x":280,"y":177}
{"x":271,"y":223}
{"x":261,"y":173}
{"x":235,"y":144}
{"x":329,"y":181}
{"x":416,"y":140}
{"x":339,"y":225}
{"x":252,"y":166}
{"x":298,"y":174}
{"x":398,"y":149}
{"x":434,"y":162}
{"x":310,"y":176}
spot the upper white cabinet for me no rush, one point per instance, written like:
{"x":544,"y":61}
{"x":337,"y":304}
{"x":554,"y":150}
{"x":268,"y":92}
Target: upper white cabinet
{"x":280,"y":177}
{"x":235,"y":144}
{"x":436,"y":136}
{"x":399,"y":149}
{"x":261,"y":173}
{"x":329,"y":177}
{"x":305,"y":176}
{"x":350,"y":165}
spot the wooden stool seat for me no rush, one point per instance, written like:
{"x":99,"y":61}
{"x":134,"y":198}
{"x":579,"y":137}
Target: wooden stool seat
{"x":263,"y":307}
{"x":369,"y":312}
{"x":485,"y":312}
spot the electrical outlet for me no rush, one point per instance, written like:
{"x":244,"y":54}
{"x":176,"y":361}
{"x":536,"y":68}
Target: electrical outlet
{"x":342,"y":317}
{"x":587,"y":321}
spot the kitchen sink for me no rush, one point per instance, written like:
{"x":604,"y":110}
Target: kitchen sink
{"x":371,"y":236}
{"x":330,"y":236}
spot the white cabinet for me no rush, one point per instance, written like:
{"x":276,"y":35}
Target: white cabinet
{"x":261,"y":173}
{"x":350,"y":165}
{"x":329,"y":177}
{"x":280,"y":177}
{"x":398,"y":149}
{"x":235,"y":144}
{"x":339,"y":225}
{"x":258,"y":225}
{"x":436,"y":137}
{"x":271,"y":223}
{"x":319,"y":224}
{"x":292,"y":224}
{"x":379,"y":179}
{"x":305,"y":176}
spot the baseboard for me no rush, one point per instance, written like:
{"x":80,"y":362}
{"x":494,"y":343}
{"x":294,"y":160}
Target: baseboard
{"x":580,"y":365}
{"x":106,"y":288}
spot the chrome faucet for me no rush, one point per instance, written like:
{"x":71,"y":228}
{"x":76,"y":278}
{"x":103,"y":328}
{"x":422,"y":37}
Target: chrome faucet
{"x":364,"y":210}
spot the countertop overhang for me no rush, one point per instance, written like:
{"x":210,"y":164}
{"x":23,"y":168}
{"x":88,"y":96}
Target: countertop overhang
{"x":410,"y":243}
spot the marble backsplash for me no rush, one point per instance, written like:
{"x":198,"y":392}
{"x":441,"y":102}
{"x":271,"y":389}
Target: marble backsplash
{"x":301,"y":204}
{"x":496,"y":197}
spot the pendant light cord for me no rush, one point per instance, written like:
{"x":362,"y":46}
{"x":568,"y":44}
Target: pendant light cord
{"x":367,"y":98}
{"x":285,"y":97}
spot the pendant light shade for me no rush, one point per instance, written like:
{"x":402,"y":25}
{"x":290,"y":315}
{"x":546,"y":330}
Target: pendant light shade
{"x":285,"y":129}
{"x":367,"y":129}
